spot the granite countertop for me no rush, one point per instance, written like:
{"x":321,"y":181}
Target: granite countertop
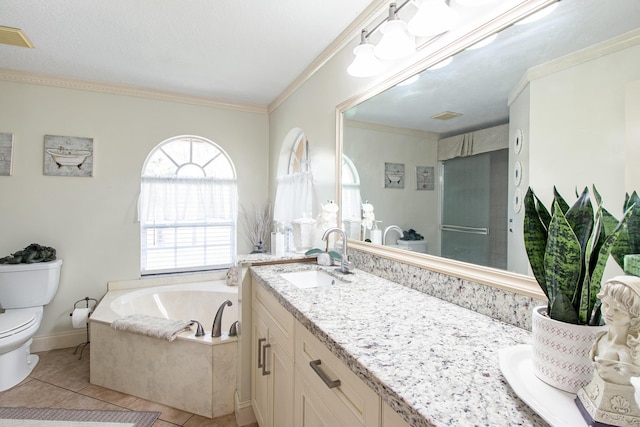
{"x":433,"y":362}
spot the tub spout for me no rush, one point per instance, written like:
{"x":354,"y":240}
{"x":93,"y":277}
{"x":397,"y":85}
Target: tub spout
{"x":199,"y":329}
{"x":233,"y":331}
{"x":217,"y":322}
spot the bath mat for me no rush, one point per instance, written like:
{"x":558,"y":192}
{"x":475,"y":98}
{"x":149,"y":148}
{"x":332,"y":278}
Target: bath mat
{"x":48,"y":417}
{"x":157,"y":327}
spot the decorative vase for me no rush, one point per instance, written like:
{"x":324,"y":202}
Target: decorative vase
{"x":561,"y":351}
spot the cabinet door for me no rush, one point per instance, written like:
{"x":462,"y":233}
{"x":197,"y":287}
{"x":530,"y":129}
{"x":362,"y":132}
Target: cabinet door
{"x":260,"y":394}
{"x":280,"y":378}
{"x":310,"y":410}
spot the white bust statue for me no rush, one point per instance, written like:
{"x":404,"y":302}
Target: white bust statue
{"x":609,"y":398}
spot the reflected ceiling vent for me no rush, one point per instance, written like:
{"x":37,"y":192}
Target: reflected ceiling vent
{"x":446,"y":115}
{"x":14,"y":37}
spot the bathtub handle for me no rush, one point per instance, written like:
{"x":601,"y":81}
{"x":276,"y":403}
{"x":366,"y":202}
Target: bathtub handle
{"x":264,"y":359}
{"x":260,"y":341}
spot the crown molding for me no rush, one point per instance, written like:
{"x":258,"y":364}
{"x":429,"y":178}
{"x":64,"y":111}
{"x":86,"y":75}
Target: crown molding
{"x":113,"y":89}
{"x":347,"y":36}
{"x":607,"y":47}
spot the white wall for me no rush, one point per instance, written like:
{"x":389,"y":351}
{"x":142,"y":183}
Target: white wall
{"x":578,"y":128}
{"x":369,"y":147}
{"x":91,"y":221}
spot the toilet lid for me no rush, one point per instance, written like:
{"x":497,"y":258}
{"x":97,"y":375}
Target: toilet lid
{"x":14,"y":321}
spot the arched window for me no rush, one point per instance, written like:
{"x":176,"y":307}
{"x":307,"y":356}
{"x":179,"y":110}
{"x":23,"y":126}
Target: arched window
{"x":188,"y":207}
{"x":351,"y":199}
{"x":295,"y":195}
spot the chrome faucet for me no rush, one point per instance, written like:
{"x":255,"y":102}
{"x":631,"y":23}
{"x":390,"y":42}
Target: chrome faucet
{"x":389,"y":228}
{"x":345,"y":265}
{"x":216,"y":329}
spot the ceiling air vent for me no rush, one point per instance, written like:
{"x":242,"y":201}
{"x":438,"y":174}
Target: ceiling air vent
{"x":14,"y":37}
{"x":446,"y":115}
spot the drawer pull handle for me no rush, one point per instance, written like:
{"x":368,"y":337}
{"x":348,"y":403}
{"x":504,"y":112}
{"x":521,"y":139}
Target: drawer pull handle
{"x":264,"y":359}
{"x":260,"y":362}
{"x":315,"y":365}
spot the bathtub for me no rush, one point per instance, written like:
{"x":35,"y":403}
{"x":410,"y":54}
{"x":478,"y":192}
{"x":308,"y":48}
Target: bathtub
{"x":194,"y":374}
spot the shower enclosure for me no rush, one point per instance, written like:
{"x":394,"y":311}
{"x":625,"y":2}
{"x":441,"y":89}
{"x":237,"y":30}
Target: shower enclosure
{"x":474,"y":208}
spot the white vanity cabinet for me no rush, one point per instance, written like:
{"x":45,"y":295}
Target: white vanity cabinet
{"x":272,"y":367}
{"x":297,"y":381}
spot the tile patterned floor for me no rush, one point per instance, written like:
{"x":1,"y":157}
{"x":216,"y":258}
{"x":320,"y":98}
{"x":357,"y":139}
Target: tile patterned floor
{"x":60,"y":380}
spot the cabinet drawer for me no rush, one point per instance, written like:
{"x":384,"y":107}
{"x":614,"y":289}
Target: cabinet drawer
{"x":351,"y":401}
{"x":279,"y":321}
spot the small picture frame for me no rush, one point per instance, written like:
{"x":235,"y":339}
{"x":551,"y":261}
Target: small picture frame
{"x":68,"y":155}
{"x":6,"y":153}
{"x":393,"y":175}
{"x":425,"y":179}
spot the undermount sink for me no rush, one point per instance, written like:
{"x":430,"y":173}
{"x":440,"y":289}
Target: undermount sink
{"x":310,"y":279}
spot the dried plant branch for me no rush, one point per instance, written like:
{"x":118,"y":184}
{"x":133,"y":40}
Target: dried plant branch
{"x":257,"y":224}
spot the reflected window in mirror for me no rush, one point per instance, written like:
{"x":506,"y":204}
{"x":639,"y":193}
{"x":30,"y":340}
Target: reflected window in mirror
{"x":351,"y":198}
{"x":295,"y":193}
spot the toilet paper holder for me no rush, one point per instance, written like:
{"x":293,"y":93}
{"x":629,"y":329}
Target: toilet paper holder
{"x":91,"y":304}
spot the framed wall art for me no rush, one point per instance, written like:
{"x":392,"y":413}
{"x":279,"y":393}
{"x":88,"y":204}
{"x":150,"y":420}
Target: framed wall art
{"x":6,"y":153}
{"x":393,"y":175}
{"x":68,"y":155}
{"x":425,"y":179}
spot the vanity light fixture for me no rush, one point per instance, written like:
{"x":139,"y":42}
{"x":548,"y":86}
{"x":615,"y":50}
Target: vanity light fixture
{"x":396,"y":40}
{"x":434,"y":17}
{"x":365,"y":63}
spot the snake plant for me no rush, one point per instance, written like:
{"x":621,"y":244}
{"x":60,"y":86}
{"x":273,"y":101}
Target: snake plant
{"x":629,"y":239}
{"x":568,"y":248}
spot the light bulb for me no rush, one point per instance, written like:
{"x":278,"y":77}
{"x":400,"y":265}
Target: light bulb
{"x":365,"y":63}
{"x":433,"y":17}
{"x":396,"y":41}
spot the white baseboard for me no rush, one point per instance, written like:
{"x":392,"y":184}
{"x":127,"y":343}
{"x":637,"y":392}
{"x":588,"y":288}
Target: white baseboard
{"x":244,"y":412}
{"x":54,"y":342}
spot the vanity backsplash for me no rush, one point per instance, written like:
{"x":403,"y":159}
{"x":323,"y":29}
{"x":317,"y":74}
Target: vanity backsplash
{"x":506,"y":306}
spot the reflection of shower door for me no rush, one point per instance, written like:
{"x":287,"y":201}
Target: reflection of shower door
{"x":465,"y":208}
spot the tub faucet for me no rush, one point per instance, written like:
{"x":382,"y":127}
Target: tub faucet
{"x":389,"y":228}
{"x":199,"y":328}
{"x":345,"y":265}
{"x":217,"y":321}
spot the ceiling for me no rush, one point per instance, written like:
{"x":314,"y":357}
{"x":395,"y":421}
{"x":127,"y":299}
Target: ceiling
{"x":478,"y":82}
{"x":242,"y":51}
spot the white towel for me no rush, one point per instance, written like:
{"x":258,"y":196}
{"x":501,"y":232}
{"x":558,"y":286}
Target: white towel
{"x":151,"y":326}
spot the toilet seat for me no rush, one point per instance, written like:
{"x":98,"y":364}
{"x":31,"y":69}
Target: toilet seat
{"x":15,"y":321}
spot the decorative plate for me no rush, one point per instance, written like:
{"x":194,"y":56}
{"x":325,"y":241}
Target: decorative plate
{"x":517,"y":201}
{"x":517,"y":173}
{"x":519,"y":140}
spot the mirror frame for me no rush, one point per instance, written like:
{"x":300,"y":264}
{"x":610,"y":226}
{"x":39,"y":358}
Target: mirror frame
{"x":448,"y":45}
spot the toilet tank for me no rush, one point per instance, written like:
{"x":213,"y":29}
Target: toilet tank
{"x":414,"y":245}
{"x":28,"y":285}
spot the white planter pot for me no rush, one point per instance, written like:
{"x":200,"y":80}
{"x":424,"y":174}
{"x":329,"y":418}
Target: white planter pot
{"x":561,"y":351}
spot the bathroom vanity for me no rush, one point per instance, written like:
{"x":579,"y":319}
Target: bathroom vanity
{"x":365,"y":351}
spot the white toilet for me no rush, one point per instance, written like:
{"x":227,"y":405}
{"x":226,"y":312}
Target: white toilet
{"x":24,"y":290}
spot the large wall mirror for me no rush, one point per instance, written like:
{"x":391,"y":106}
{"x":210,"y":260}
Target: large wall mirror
{"x":548,"y":102}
